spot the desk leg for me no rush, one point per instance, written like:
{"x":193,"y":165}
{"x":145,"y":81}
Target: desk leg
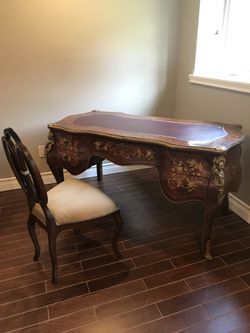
{"x":225,"y":206}
{"x":99,"y":171}
{"x":57,"y":173}
{"x":210,"y":211}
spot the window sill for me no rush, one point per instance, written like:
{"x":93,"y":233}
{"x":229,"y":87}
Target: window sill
{"x":220,"y":83}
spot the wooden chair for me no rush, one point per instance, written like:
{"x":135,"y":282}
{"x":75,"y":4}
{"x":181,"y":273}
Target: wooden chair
{"x":67,"y":205}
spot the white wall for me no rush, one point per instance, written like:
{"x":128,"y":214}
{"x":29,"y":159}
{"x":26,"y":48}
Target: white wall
{"x":61,"y":57}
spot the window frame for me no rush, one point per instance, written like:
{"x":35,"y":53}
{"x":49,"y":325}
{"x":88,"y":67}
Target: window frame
{"x":215,"y":79}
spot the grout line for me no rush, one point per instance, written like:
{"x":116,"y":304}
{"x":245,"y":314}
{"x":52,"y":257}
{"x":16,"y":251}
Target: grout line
{"x":23,"y":312}
{"x":22,"y":286}
{"x":109,"y":264}
{"x":94,"y":309}
{"x":140,"y":325}
{"x":220,"y":281}
{"x":27,"y":327}
{"x":87,"y":284}
{"x":241,"y":278}
{"x":24,"y":298}
{"x":157,"y":307}
{"x":224,"y":262}
{"x":37,"y":272}
{"x":145,"y":284}
{"x":245,"y":246}
{"x":135,"y":266}
{"x":122,"y":313}
{"x":173,"y":264}
{"x":189,"y":288}
{"x":81,"y":266}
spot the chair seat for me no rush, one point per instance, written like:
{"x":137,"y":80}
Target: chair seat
{"x":75,"y":200}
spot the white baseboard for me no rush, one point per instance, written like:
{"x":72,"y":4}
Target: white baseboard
{"x":11,"y":183}
{"x":239,"y":207}
{"x":236,"y":205}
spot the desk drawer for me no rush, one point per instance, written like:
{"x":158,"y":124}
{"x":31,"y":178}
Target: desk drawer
{"x":184,"y":175}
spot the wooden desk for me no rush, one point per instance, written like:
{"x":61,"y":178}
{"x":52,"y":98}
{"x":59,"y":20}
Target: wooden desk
{"x":196,"y":160}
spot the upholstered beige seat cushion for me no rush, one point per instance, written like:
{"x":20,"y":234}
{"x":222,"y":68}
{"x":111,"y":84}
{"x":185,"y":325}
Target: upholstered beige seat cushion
{"x":75,"y":200}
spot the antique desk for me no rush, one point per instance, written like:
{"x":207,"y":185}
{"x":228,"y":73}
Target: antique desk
{"x":195,"y":160}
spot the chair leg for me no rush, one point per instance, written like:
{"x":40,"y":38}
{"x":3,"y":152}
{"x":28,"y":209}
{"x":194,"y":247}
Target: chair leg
{"x":52,"y":235}
{"x":33,"y":236}
{"x":99,"y":171}
{"x":119,"y":225}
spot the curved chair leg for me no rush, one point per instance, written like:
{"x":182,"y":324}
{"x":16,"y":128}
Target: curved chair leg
{"x":119,"y":225}
{"x":33,"y":236}
{"x":52,"y":235}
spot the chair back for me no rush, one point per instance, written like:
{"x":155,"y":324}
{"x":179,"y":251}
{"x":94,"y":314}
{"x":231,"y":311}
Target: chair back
{"x":24,"y":168}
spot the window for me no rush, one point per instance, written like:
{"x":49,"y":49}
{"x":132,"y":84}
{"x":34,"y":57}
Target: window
{"x":223,"y":44}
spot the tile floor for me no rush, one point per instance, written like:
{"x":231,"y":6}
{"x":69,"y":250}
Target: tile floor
{"x":161,"y":284}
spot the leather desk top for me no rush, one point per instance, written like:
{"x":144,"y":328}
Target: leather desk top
{"x":173,"y":133}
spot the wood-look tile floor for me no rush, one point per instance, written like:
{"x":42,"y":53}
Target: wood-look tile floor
{"x":161,"y":284}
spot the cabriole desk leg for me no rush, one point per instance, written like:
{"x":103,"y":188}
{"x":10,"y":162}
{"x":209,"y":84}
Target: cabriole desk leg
{"x":225,"y":206}
{"x":57,"y":172}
